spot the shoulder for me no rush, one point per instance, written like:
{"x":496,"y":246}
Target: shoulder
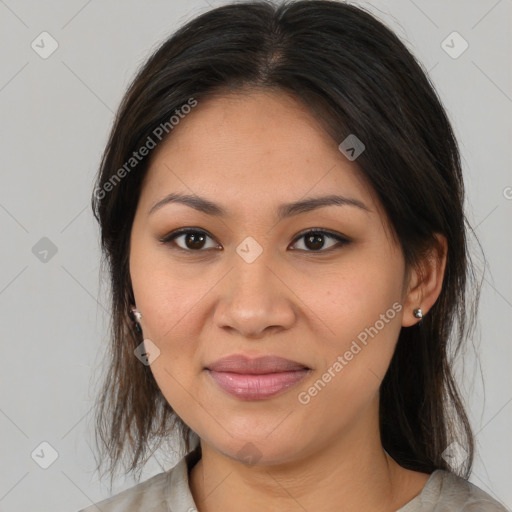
{"x":163,"y":492}
{"x":447,"y":492}
{"x":148,"y":496}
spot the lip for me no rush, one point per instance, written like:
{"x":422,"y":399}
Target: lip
{"x":239,"y":363}
{"x":257,"y":378}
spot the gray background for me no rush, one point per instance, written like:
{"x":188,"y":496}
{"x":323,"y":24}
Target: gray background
{"x":56,"y":114}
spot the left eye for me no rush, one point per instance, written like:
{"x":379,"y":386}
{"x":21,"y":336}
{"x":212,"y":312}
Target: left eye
{"x":315,"y":238}
{"x":194,"y":240}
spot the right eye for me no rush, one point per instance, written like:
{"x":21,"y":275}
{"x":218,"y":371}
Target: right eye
{"x":192,"y":239}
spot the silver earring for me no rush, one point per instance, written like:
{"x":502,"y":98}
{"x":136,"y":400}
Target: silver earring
{"x":418,"y":313}
{"x":137,"y":316}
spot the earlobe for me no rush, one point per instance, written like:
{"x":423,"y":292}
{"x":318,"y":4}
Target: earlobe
{"x":428,"y":282}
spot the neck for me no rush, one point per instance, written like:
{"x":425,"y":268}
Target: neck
{"x":350,"y":469}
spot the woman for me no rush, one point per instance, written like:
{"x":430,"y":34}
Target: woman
{"x":281,"y":210}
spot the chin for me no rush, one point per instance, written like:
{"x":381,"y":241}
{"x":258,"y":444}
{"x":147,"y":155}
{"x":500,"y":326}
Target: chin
{"x":259,"y":451}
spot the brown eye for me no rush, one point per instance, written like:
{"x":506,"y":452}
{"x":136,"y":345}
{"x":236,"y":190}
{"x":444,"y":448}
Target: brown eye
{"x":191,"y":240}
{"x":314,"y":240}
{"x":195,"y":240}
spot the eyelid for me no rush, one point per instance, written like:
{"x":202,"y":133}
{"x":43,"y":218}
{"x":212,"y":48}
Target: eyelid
{"x":323,"y":231}
{"x":170,"y":237}
{"x":341,"y":239}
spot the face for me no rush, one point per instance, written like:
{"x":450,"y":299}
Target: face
{"x":255,"y":283}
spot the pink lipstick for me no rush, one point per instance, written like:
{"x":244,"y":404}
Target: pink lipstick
{"x":256,"y":379}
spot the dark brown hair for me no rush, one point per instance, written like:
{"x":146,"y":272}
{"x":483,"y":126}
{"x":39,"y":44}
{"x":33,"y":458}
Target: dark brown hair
{"x":356,"y":77}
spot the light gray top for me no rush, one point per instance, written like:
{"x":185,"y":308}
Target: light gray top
{"x":169,"y":492}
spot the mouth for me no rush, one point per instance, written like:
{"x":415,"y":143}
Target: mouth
{"x":256,"y":379}
{"x":239,"y":363}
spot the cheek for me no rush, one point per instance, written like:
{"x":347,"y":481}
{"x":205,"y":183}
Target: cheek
{"x":172,"y":324}
{"x":167,"y":293}
{"x":168,"y":299}
{"x":357,"y":295}
{"x":361,"y":306}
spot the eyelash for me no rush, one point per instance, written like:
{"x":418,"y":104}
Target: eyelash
{"x":169,"y":239}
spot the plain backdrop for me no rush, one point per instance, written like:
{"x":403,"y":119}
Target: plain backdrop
{"x":56,"y":113}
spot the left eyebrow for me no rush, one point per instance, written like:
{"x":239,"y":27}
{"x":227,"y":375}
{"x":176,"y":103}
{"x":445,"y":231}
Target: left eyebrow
{"x":283,"y":211}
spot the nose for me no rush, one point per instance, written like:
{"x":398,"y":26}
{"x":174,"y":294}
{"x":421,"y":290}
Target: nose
{"x":255,"y":298}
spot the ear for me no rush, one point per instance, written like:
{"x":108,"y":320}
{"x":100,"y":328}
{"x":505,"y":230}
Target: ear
{"x":425,"y":282}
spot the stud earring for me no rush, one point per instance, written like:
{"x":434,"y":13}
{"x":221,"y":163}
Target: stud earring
{"x":418,"y":313}
{"x":137,"y":316}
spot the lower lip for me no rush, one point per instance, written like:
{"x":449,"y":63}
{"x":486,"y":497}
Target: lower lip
{"x":257,"y":387}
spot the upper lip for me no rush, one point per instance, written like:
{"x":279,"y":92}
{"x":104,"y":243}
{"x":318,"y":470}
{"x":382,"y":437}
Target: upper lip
{"x":238,"y":363}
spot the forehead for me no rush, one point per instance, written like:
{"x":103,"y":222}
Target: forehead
{"x":242,"y":147}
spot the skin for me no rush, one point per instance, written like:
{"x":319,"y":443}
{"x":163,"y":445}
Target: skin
{"x":250,"y":153}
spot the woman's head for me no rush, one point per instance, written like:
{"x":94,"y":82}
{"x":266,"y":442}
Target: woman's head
{"x":253,"y":106}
